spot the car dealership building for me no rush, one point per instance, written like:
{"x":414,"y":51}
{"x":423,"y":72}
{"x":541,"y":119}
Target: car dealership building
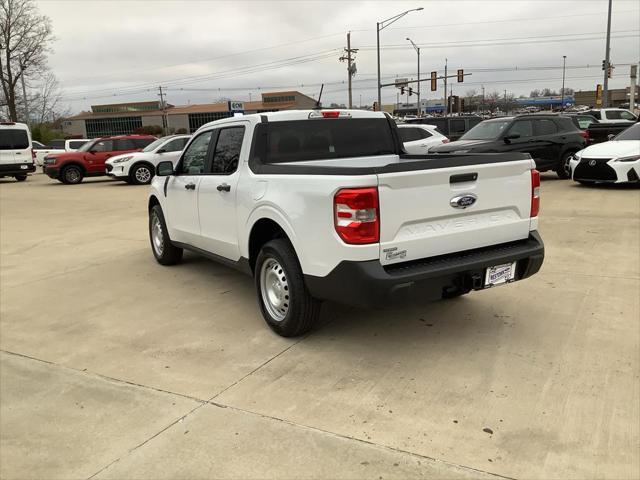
{"x":126,"y":118}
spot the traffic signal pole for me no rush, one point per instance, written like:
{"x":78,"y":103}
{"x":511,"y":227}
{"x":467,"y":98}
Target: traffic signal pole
{"x":605,"y":89}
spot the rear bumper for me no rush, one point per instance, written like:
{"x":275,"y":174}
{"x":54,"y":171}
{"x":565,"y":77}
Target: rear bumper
{"x":11,"y":169}
{"x":369,"y":284}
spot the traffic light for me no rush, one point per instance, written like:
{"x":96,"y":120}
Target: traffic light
{"x":610,"y":71}
{"x":434,"y":81}
{"x":603,"y":64}
{"x":410,"y":91}
{"x":460,"y":75}
{"x":401,"y":90}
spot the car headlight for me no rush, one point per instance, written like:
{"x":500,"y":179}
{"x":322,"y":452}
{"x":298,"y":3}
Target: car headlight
{"x":121,"y":160}
{"x":631,"y":158}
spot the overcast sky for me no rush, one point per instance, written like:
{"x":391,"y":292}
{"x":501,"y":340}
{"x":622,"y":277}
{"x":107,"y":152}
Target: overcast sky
{"x":201,"y":51}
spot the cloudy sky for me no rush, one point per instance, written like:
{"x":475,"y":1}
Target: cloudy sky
{"x":203,"y":50}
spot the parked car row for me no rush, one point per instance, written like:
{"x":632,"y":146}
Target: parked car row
{"x":16,"y":151}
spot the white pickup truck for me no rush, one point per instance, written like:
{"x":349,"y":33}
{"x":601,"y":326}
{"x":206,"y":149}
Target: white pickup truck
{"x":326,"y":205}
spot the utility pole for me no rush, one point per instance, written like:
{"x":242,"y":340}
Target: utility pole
{"x":417,"y":49}
{"x":482,"y":107}
{"x":24,"y":94}
{"x":506,"y":109}
{"x":165,"y":125}
{"x":446,"y":99}
{"x":632,"y":89}
{"x":351,"y":67}
{"x":605,"y":89}
{"x":564,"y":66}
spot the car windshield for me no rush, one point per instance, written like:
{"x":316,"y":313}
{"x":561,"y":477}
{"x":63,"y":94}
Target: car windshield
{"x":631,"y":133}
{"x":153,"y":145}
{"x":488,"y":130}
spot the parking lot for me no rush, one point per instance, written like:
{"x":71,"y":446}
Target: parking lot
{"x":113,"y":366}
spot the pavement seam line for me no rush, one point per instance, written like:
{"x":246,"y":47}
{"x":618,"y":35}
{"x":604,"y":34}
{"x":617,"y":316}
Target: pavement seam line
{"x":104,"y":377}
{"x":359,"y":440}
{"x":160,"y":432}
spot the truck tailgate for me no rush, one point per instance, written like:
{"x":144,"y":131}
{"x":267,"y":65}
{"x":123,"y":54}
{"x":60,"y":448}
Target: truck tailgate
{"x":418,"y":221}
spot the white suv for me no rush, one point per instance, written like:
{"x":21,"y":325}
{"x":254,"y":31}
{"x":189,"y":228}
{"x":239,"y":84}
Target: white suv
{"x":16,"y":152}
{"x":139,"y":168}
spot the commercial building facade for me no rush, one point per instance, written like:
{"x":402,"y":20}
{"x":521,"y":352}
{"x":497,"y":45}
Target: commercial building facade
{"x":617,"y":97}
{"x":127,"y":118}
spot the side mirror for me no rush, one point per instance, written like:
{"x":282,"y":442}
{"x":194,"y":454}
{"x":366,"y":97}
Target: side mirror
{"x":164,"y":169}
{"x":610,"y":136}
{"x":511,"y":136}
{"x":162,"y":150}
{"x":93,"y":152}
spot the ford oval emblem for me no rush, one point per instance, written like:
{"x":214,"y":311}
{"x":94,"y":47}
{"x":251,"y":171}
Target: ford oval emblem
{"x":463,"y":201}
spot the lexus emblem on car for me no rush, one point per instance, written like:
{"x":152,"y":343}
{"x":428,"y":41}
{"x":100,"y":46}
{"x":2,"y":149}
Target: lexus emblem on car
{"x":463,"y":201}
{"x":592,"y":163}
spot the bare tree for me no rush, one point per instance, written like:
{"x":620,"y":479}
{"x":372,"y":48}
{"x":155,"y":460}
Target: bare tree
{"x":46,"y":103}
{"x":25,"y":38}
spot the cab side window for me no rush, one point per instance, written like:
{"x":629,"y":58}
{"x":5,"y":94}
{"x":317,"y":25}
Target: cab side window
{"x":195,"y":156}
{"x":545,"y":127}
{"x":103,"y":146}
{"x":124,"y":144}
{"x":227,"y":152}
{"x":522,"y":127}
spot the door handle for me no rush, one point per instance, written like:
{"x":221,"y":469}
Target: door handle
{"x":190,"y":186}
{"x":223,"y":187}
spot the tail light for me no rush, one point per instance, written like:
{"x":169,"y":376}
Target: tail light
{"x":357,"y":217}
{"x":330,"y":114}
{"x":535,"y":193}
{"x":33,"y":154}
{"x":585,"y":134}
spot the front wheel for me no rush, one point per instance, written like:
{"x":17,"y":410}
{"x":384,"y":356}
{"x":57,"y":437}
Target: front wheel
{"x":166,"y":253}
{"x":72,"y":175}
{"x":564,"y":167}
{"x":141,"y":175}
{"x":21,"y":178}
{"x":285,"y":303}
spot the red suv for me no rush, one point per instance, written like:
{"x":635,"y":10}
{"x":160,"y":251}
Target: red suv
{"x":88,"y":161}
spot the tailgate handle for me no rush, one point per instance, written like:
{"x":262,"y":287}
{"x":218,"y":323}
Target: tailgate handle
{"x":463,"y":177}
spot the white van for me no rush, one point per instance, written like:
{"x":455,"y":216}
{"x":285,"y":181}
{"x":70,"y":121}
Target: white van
{"x":16,"y":153}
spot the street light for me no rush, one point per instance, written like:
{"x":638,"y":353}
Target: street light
{"x":564,"y":65}
{"x":381,"y":26}
{"x":417,"y":48}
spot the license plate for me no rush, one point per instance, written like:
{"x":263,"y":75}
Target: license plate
{"x":24,"y":167}
{"x":500,"y":274}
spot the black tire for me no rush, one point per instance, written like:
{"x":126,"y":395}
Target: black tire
{"x":299,"y":310}
{"x":564,"y":169}
{"x":165,"y":252}
{"x":141,"y":174}
{"x":21,"y":178}
{"x":71,"y":175}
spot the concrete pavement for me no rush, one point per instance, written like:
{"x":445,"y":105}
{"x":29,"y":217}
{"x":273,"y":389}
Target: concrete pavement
{"x":115,"y":367}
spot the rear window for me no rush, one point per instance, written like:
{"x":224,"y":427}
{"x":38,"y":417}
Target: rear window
{"x":619,"y":115}
{"x":316,"y":139}
{"x":13,"y":139}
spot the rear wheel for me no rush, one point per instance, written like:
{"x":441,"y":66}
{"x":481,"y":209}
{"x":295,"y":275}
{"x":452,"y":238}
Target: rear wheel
{"x":141,"y":174}
{"x":564,"y":167}
{"x":165,"y":252}
{"x":72,"y":175}
{"x":285,"y":303}
{"x":21,"y":178}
